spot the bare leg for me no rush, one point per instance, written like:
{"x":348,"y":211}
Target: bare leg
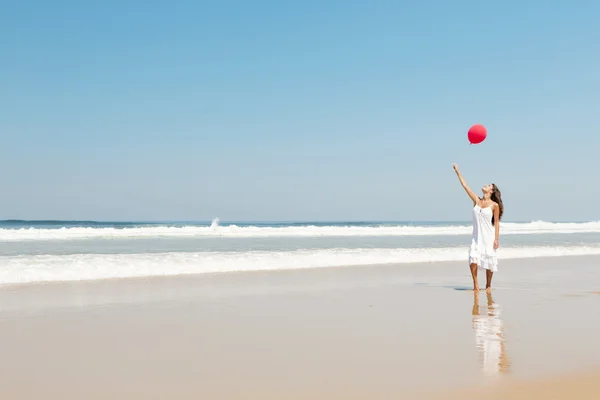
{"x":488,"y":279}
{"x":474,"y":275}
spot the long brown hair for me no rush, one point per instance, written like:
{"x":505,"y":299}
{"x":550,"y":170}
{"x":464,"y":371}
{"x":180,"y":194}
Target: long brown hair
{"x":497,"y":197}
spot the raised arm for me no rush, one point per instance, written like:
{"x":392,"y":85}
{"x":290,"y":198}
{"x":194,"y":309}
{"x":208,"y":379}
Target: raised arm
{"x":471,"y":194}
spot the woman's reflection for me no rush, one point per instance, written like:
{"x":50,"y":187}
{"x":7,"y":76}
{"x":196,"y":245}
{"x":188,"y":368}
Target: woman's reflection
{"x":489,"y":336}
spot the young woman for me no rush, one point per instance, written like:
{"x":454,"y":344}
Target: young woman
{"x":487,"y":212}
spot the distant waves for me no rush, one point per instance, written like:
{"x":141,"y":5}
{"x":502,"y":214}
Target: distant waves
{"x":128,"y":230}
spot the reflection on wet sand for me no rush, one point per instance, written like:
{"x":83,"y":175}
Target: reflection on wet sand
{"x":489,"y":337}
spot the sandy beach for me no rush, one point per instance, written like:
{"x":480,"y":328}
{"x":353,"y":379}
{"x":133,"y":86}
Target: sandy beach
{"x":283,"y":200}
{"x":395,"y":331}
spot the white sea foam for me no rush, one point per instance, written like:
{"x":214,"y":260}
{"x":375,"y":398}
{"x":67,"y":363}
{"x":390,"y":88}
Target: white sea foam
{"x":79,"y":267}
{"x":234,"y":231}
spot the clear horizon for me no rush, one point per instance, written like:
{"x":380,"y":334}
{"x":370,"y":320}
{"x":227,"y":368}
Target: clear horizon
{"x":281,"y":221}
{"x":313,"y":111}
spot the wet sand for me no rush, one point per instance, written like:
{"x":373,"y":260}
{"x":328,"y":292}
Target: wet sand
{"x":580,"y":386}
{"x":359,"y":332}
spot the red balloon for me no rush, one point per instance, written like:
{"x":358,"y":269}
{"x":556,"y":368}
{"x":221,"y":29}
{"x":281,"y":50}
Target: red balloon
{"x":477,"y":134}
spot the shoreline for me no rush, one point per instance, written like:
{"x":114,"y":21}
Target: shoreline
{"x":371,"y":267}
{"x":346,"y":332}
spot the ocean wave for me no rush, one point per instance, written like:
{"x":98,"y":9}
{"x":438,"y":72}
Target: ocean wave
{"x":82,"y":267}
{"x":235,"y":231}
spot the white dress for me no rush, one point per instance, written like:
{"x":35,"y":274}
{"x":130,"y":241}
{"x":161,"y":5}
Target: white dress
{"x":482,"y":250}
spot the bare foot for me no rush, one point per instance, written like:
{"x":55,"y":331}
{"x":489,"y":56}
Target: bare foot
{"x":476,"y":288}
{"x":488,"y":289}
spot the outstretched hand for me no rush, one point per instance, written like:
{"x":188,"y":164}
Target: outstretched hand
{"x":455,"y":167}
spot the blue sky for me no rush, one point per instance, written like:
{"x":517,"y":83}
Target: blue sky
{"x":312,"y":110}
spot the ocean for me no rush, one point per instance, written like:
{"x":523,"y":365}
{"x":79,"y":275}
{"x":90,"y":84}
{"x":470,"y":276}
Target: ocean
{"x":45,"y":251}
